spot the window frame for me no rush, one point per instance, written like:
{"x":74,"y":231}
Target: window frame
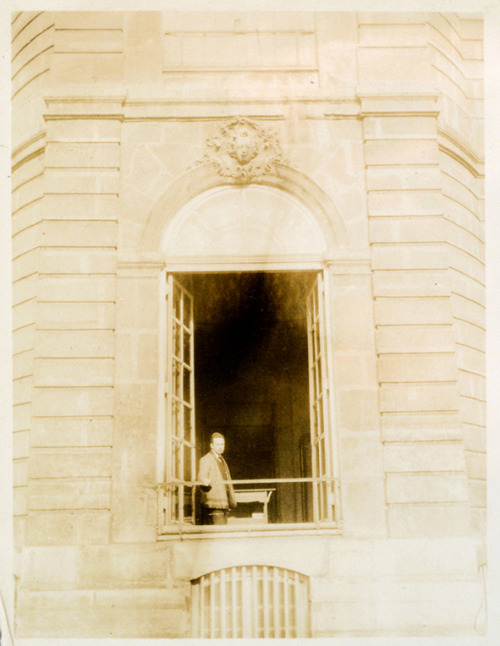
{"x":333,"y":524}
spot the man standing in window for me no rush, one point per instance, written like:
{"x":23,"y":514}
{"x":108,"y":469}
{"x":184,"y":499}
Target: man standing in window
{"x":217,"y":493}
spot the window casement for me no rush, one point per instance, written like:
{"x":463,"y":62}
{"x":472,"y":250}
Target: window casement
{"x":250,"y":602}
{"x":290,"y":468}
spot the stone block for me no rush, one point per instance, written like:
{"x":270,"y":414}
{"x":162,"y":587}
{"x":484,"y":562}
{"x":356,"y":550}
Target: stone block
{"x":20,"y":472}
{"x":421,"y":367}
{"x":469,"y":358}
{"x":354,"y":369}
{"x":22,"y":364}
{"x":424,"y":456}
{"x":74,"y":372}
{"x":469,"y":265}
{"x":84,"y":130}
{"x":467,"y":287}
{"x":473,"y":410}
{"x":68,"y":233}
{"x":75,"y":316}
{"x":364,"y":507}
{"x":25,"y":171}
{"x":392,"y":339}
{"x":394,"y":35}
{"x":410,"y":488}
{"x":81,"y":343}
{"x":71,"y":432}
{"x":411,"y":256}
{"x":27,"y":238}
{"x":23,"y":338}
{"x":69,"y":401}
{"x":78,"y":527}
{"x":50,"y":568}
{"x":419,"y":130}
{"x":116,"y":614}
{"x":21,"y":417}
{"x":20,"y":500}
{"x":88,"y":20}
{"x":70,"y":463}
{"x":475,"y":438}
{"x":81,"y":207}
{"x":424,"y":559}
{"x":81,"y":67}
{"x":138,"y":354}
{"x":419,"y":427}
{"x":25,"y":265}
{"x":137,"y":303}
{"x":400,"y":202}
{"x":476,"y":464}
{"x":124,"y":566}
{"x":77,"y":288}
{"x":390,"y":19}
{"x":21,"y":390}
{"x":468,"y":311}
{"x":24,"y":289}
{"x":395,"y":63}
{"x":20,"y":444}
{"x":78,"y":260}
{"x":353,"y":313}
{"x":410,"y":283}
{"x":353,"y":618}
{"x":81,"y":180}
{"x":478,"y":493}
{"x":459,"y":193}
{"x":358,"y":410}
{"x":413,"y":177}
{"x":24,"y":313}
{"x":97,"y":40}
{"x":437,"y":519}
{"x":414,"y":311}
{"x":75,"y":493}
{"x":430,"y":228}
{"x":361,"y":456}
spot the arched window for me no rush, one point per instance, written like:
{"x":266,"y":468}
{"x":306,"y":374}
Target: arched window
{"x":249,"y":602}
{"x":245,"y":348}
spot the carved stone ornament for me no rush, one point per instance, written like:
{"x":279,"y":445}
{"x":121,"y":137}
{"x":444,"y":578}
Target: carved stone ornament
{"x":243,"y":150}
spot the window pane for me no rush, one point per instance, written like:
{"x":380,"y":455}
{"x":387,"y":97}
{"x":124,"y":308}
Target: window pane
{"x":187,"y":348}
{"x":187,"y":386}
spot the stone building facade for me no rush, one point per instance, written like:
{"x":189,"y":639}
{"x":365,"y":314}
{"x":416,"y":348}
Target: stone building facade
{"x":268,"y":224}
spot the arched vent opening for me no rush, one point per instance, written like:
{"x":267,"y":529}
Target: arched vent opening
{"x":250,"y":602}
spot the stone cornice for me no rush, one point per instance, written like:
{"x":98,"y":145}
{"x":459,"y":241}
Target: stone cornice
{"x":139,"y":265}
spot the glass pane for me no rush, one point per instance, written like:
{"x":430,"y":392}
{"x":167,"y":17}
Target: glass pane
{"x":177,"y":382}
{"x":189,"y":504}
{"x":187,"y":386}
{"x":322,"y":457}
{"x":188,"y":304}
{"x":177,"y":302}
{"x":177,"y":426}
{"x":187,"y":348}
{"x":321,"y":425}
{"x":177,"y":333}
{"x":187,"y":424}
{"x":177,"y":461}
{"x":188,"y":474}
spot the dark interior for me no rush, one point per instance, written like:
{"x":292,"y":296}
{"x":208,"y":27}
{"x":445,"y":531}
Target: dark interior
{"x":251,"y":381}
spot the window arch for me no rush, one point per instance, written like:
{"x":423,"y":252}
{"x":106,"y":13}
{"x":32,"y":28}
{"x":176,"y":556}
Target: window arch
{"x":250,"y":601}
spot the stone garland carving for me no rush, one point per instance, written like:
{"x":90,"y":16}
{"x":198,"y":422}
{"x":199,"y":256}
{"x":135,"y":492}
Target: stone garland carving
{"x":243,"y":150}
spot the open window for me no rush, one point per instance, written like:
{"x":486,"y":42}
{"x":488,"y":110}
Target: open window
{"x":246,"y":356}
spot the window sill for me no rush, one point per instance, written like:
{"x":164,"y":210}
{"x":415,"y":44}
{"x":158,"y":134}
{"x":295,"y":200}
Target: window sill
{"x":185,"y":532}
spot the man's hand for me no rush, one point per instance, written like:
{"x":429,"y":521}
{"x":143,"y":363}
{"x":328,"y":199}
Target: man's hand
{"x":206,"y":486}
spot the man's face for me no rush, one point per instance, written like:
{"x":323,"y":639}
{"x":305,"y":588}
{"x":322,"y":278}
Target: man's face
{"x":217,"y":445}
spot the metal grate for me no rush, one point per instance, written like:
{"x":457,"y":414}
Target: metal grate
{"x":250,"y":601}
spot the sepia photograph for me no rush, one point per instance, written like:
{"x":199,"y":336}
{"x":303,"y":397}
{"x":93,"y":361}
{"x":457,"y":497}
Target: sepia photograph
{"x":248,"y":326}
